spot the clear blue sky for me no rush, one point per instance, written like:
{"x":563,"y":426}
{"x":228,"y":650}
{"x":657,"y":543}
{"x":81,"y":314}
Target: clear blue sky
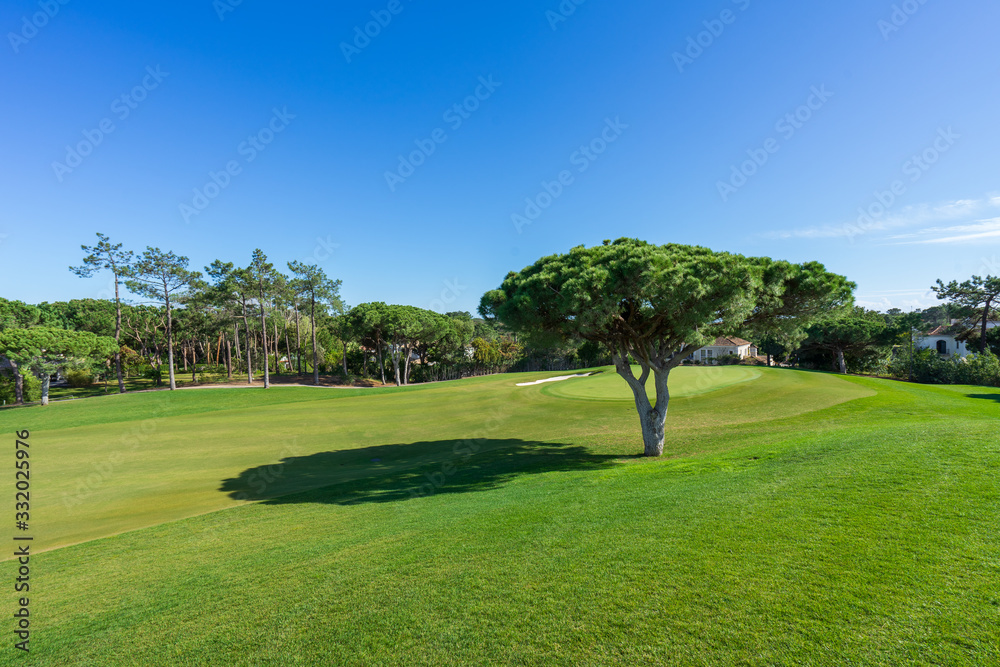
{"x":882,"y":92}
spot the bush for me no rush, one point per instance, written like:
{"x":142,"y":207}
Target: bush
{"x":930,"y":368}
{"x":6,"y":389}
{"x":154,"y":374}
{"x":728,"y":360}
{"x":79,"y":378}
{"x":979,"y":369}
{"x":32,"y":389}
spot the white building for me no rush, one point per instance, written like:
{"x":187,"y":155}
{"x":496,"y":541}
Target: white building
{"x":939,"y":339}
{"x":943,"y":340}
{"x":725,"y":346}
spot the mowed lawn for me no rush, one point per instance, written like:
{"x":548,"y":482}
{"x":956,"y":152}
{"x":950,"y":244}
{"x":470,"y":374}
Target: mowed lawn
{"x":798,"y":518}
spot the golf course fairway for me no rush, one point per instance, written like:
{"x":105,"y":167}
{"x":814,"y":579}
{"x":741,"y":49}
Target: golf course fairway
{"x":795,"y":518}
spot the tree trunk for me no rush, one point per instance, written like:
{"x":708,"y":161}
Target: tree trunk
{"x":288,"y":348}
{"x":395,"y":364}
{"x":840,"y":361}
{"x":170,"y":341}
{"x":653,"y":426}
{"x":274,"y":340}
{"x":18,"y":384}
{"x":983,"y":329}
{"x":263,"y":341}
{"x":118,"y":331}
{"x":406,"y":367}
{"x":246,"y":325}
{"x":344,"y":360}
{"x":652,"y":418}
{"x":298,"y":339}
{"x":381,"y":364}
{"x":312,"y":313}
{"x":229,"y":361}
{"x":45,"y":388}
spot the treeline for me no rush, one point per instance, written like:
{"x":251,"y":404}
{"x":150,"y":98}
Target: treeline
{"x":247,"y":324}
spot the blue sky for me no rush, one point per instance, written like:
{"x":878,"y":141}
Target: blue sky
{"x":759,"y":128}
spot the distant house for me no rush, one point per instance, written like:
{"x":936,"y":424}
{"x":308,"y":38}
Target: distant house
{"x":944,"y":339}
{"x":725,"y":346}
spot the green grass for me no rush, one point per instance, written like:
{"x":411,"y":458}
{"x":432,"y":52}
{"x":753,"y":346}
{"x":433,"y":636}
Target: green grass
{"x":684,"y":381}
{"x":798,"y":518}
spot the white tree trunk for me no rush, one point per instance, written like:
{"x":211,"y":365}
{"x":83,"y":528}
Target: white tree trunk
{"x":652,"y":418}
{"x":395,"y":363}
{"x":118,"y":332}
{"x":170,"y":344}
{"x":381,"y":364}
{"x":45,"y":388}
{"x":263,"y":343}
{"x":246,"y":328}
{"x":312,"y":314}
{"x":18,"y":383}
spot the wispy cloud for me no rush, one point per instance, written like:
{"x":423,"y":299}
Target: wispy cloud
{"x":969,"y":233}
{"x":908,"y":217}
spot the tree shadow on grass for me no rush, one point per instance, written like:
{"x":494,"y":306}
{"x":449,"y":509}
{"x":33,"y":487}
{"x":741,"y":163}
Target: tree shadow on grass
{"x":389,"y":473}
{"x":989,"y":397}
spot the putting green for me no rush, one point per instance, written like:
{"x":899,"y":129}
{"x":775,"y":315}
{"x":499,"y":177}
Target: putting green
{"x":684,"y":381}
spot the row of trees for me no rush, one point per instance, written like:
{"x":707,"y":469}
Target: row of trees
{"x":207,"y":310}
{"x":231,"y":295}
{"x":251,"y":320}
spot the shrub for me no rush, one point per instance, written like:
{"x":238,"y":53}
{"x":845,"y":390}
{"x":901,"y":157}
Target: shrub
{"x":930,"y":368}
{"x":154,"y":374}
{"x":979,"y":369}
{"x":79,"y":378}
{"x":32,"y":388}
